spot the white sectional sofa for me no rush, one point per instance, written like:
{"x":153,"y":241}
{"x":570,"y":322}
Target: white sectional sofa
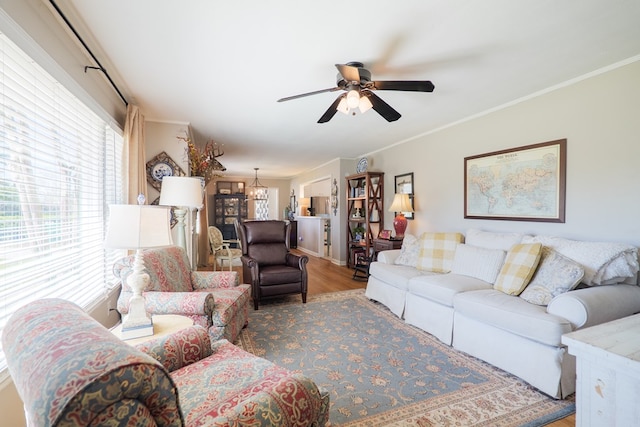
{"x":470,"y":295}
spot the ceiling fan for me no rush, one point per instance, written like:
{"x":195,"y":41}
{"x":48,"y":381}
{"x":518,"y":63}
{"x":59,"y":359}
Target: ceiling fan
{"x":356,"y":81}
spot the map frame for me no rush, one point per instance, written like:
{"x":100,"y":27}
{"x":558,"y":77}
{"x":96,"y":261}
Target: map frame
{"x":553,"y":149}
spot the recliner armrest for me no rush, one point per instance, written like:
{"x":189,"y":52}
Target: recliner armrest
{"x":298,"y":261}
{"x":596,"y":305}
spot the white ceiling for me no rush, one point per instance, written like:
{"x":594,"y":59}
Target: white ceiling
{"x":221,"y":65}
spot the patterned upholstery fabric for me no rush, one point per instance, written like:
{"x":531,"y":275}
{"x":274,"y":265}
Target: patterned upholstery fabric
{"x":213,"y":299}
{"x":71,"y":371}
{"x":437,"y":251}
{"x":246,"y":390}
{"x":555,"y":275}
{"x":522,"y":260}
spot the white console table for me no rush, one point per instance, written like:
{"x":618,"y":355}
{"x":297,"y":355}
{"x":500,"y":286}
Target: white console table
{"x":608,"y":372}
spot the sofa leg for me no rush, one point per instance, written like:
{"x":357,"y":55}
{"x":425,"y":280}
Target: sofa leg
{"x":304,"y":297}
{"x":255,"y":304}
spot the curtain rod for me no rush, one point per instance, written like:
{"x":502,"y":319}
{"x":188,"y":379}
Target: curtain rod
{"x":99,"y":67}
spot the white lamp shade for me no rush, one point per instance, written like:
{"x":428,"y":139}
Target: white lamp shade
{"x":365,"y":104}
{"x":138,"y":226}
{"x":401,"y":203}
{"x":181,"y":191}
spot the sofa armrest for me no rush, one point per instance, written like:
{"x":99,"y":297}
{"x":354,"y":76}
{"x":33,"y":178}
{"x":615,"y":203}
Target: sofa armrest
{"x":596,"y":305}
{"x":202,"y":280}
{"x":70,"y":370}
{"x":179,"y":349}
{"x":184,"y":303}
{"x":388,"y":257}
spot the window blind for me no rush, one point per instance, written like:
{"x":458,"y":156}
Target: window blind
{"x":60,"y":167}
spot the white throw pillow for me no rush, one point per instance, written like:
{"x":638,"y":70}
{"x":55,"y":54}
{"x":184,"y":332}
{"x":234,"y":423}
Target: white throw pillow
{"x":556,"y":274}
{"x":481,"y":263}
{"x":409,"y":251}
{"x":491,"y":240}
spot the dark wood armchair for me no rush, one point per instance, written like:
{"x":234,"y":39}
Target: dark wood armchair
{"x":267,"y":263}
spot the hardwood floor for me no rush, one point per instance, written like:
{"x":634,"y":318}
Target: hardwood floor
{"x":324,"y":276}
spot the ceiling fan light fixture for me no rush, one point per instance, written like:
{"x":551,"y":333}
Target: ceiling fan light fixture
{"x":364,"y":104}
{"x":342,"y":106}
{"x":353,"y":98}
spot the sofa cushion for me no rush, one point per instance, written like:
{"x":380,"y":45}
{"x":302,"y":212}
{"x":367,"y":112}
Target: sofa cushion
{"x":397,"y":276}
{"x":437,"y":251}
{"x":492,"y":240}
{"x":555,"y":275}
{"x":442,"y":288}
{"x":481,"y":263}
{"x":518,"y":268}
{"x":512,"y":314}
{"x":409,"y":251}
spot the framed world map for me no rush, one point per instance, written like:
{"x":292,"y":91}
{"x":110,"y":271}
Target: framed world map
{"x":519,"y":184}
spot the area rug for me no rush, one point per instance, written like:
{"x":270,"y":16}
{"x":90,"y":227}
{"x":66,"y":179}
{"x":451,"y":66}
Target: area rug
{"x":383,"y":372}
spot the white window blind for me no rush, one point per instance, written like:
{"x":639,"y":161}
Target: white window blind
{"x":60,"y":167}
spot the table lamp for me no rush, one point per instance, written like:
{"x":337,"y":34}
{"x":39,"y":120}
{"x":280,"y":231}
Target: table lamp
{"x":401,"y":203}
{"x":185,"y":193}
{"x":138,"y":227}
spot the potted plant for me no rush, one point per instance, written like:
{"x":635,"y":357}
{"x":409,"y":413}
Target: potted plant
{"x":359,"y":233}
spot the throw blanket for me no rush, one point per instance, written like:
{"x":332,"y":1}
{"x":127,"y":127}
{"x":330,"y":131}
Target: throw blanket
{"x":604,"y":263}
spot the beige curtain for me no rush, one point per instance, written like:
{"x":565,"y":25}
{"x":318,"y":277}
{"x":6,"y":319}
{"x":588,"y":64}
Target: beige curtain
{"x":134,"y":164}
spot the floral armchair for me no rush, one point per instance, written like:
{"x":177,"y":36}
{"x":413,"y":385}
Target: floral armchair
{"x":71,"y":371}
{"x":214,"y":300}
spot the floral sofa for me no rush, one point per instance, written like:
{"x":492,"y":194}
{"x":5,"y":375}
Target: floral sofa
{"x":507,"y":298}
{"x":71,"y":371}
{"x":214,"y":300}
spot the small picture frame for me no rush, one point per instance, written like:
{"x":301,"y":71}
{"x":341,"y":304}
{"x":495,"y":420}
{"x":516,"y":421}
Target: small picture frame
{"x":404,"y":184}
{"x":385,"y":234}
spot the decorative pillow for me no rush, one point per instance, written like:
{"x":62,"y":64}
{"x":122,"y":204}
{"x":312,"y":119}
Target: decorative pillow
{"x":556,"y":274}
{"x":603,"y":262}
{"x":481,"y":263}
{"x":409,"y":251}
{"x":491,"y":240}
{"x":517,"y":270}
{"x":437,"y":251}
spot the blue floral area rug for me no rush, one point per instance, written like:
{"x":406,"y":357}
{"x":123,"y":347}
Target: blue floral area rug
{"x":383,"y":372}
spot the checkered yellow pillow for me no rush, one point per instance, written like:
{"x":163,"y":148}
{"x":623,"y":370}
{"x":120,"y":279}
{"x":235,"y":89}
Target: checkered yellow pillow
{"x":518,"y":268}
{"x":437,"y":251}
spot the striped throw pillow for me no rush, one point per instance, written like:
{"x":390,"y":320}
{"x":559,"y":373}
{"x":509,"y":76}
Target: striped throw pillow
{"x":437,"y":251}
{"x":522,"y":260}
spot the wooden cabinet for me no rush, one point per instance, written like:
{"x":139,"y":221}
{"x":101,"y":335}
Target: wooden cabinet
{"x":380,"y":245}
{"x":228,"y":208}
{"x":365,"y":212}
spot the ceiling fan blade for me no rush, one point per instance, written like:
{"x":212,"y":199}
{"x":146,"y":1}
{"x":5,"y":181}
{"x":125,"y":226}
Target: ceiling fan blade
{"x":302,"y":95}
{"x":405,"y":85}
{"x":350,"y":73}
{"x":331,"y":111}
{"x":381,"y":107}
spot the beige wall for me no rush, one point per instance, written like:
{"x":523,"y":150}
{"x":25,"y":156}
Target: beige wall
{"x":598,"y":117}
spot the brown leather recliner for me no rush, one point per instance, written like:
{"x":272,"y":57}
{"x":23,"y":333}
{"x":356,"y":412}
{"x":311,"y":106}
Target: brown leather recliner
{"x":267,"y":262}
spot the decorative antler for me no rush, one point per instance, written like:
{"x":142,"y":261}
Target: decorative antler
{"x":203,"y":162}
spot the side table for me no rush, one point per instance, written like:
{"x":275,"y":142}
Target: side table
{"x":608,"y":372}
{"x":163,"y":324}
{"x":380,"y":245}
